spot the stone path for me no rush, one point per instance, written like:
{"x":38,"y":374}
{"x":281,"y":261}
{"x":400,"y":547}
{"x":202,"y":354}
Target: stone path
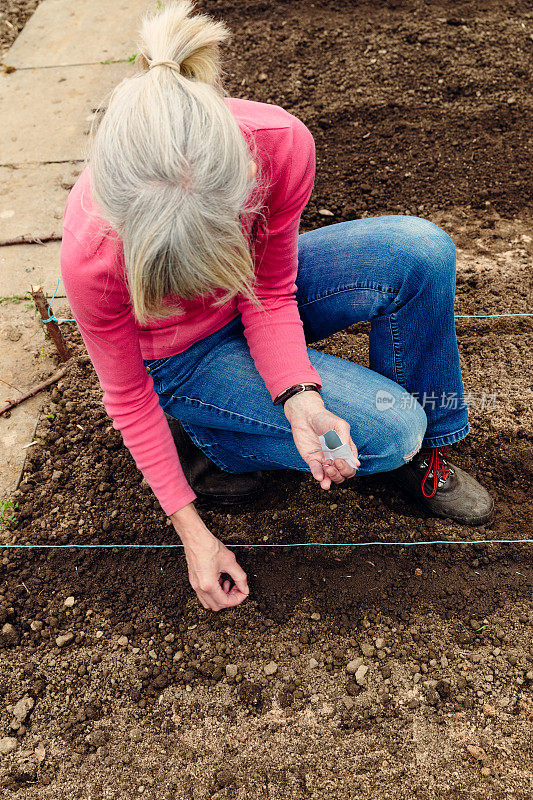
{"x":67,"y":58}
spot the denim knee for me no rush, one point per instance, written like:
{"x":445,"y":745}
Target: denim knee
{"x":397,"y":436}
{"x":431,"y":255}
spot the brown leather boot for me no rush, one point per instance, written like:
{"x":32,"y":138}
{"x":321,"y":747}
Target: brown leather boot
{"x":208,"y":480}
{"x":442,"y":488}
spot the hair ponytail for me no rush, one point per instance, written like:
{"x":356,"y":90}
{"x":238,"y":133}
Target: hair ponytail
{"x":170,"y":169}
{"x":192,"y":42}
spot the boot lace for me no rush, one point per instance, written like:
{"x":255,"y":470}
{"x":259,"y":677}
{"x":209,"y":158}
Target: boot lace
{"x":437,"y":469}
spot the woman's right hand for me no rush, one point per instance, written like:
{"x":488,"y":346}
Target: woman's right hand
{"x":207,"y":560}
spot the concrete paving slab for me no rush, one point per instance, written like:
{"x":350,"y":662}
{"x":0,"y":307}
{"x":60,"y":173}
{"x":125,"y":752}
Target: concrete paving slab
{"x":33,"y":197}
{"x":15,"y":433}
{"x":26,"y":264}
{"x":24,"y":362}
{"x":74,"y":31}
{"x":46,"y":113}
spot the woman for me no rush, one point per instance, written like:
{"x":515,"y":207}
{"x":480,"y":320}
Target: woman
{"x":180,"y":254}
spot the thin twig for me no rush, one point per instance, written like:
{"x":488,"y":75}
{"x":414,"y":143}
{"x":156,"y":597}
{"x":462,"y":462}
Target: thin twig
{"x":36,"y":389}
{"x":52,"y":327}
{"x":29,"y":239}
{"x":11,"y":385}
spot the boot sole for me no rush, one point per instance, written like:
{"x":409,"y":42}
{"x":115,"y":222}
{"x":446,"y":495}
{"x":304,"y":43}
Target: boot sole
{"x":472,"y":521}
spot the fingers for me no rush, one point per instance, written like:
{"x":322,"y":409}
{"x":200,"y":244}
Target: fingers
{"x":217,"y":599}
{"x":326,"y":472}
{"x":216,"y":595}
{"x":317,"y":469}
{"x":238,"y":574}
{"x":345,"y":468}
{"x":333,"y":473}
{"x":339,"y":470}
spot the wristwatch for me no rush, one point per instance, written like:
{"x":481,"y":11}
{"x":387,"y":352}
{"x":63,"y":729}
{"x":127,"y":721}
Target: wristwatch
{"x":296,"y":389}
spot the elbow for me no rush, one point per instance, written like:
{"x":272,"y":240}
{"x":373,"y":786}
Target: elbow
{"x":132,"y":408}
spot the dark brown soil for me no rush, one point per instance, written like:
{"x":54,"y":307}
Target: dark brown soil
{"x":154,"y":697}
{"x":413,"y":105}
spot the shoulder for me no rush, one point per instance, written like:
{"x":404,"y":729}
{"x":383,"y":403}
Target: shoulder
{"x":286,"y":145}
{"x":270,"y":123}
{"x":82,"y":218}
{"x":260,"y":116}
{"x":89,"y":245}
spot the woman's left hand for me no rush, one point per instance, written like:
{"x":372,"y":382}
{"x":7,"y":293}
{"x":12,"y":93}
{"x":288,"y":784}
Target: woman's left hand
{"x":309,"y":419}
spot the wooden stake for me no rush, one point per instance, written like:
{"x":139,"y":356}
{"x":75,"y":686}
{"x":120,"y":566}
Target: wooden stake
{"x":52,"y":327}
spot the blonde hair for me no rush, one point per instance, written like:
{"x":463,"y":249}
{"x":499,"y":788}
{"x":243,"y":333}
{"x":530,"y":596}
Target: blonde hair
{"x":170,"y":169}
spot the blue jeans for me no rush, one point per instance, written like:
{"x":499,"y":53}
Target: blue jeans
{"x":398,"y":272}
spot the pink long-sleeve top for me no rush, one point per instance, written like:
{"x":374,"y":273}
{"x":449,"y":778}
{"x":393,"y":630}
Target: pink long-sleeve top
{"x":93,"y":271}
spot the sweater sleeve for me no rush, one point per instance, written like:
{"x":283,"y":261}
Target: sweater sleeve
{"x":275,"y":336}
{"x":100,"y":305}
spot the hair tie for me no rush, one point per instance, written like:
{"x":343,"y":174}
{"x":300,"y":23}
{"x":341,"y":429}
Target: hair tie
{"x":172,"y":64}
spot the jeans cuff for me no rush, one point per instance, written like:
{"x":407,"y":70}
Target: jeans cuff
{"x":445,"y":438}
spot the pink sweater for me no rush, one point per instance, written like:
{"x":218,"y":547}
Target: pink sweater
{"x":93,"y":271}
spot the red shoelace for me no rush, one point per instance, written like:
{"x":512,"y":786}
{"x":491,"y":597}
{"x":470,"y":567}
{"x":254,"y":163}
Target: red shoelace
{"x":435,"y":465}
